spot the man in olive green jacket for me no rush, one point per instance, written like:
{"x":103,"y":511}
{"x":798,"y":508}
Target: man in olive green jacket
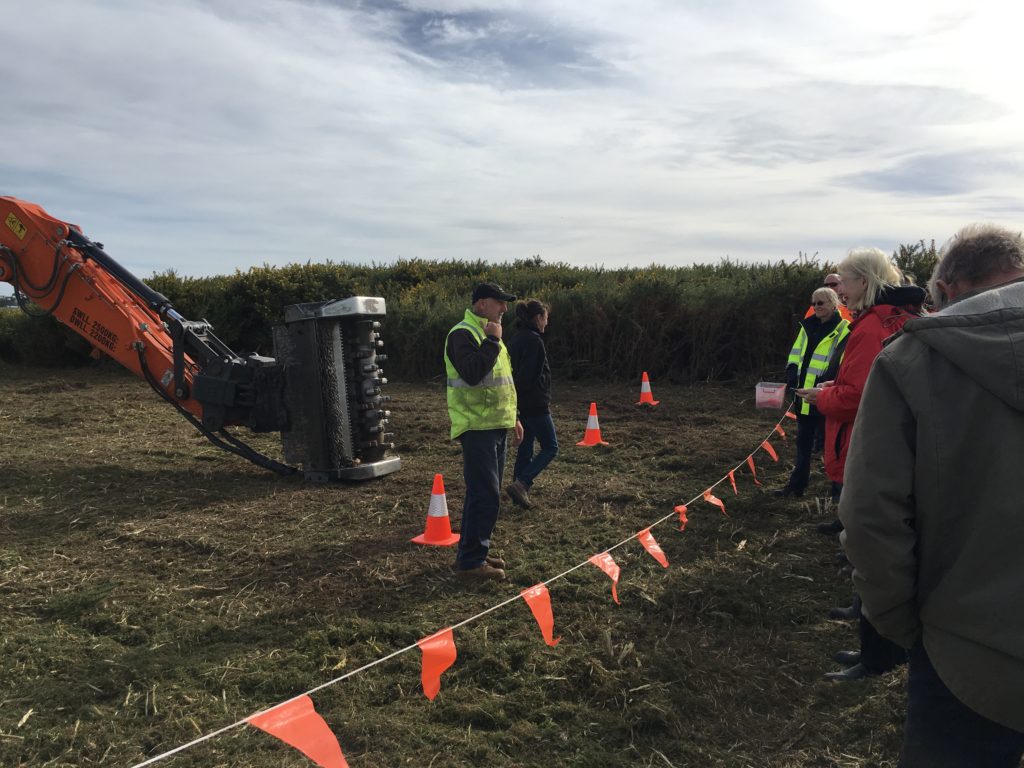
{"x":933,"y":509}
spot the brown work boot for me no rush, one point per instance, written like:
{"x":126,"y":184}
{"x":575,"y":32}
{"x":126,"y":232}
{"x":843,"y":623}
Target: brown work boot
{"x":495,"y":562}
{"x":485,"y":572}
{"x":517,"y":492}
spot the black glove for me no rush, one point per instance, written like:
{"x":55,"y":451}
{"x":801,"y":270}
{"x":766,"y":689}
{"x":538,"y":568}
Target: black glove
{"x":791,"y":376}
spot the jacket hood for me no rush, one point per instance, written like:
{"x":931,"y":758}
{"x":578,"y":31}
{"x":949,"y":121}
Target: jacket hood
{"x":902,"y":296}
{"x":983,"y":336}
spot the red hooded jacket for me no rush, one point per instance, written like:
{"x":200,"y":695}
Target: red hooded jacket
{"x":839,"y":403}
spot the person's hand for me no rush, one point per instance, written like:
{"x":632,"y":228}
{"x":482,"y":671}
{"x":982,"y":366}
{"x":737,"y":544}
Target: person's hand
{"x":809,"y":394}
{"x":517,"y":436}
{"x":823,"y":384}
{"x":492,"y":329}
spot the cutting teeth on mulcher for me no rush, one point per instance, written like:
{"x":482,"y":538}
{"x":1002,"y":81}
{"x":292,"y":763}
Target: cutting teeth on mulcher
{"x":337,"y":416}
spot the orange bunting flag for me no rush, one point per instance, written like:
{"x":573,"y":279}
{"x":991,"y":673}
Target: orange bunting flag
{"x":298,"y":725}
{"x":710,"y":498}
{"x":769,"y":450}
{"x":791,"y":415}
{"x":781,"y":431}
{"x":732,"y":481}
{"x":646,"y":538}
{"x":753,"y":470}
{"x":605,"y":562}
{"x":438,"y":654}
{"x":681,"y":511}
{"x":539,"y":600}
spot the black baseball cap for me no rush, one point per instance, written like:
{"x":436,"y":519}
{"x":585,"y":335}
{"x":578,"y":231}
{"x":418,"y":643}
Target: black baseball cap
{"x":491,"y":291}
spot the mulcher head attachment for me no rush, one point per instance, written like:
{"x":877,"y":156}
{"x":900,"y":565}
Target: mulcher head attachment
{"x":331,"y":353}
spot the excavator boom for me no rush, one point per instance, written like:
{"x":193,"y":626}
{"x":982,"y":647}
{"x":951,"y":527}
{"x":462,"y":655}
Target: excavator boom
{"x":336,"y":432}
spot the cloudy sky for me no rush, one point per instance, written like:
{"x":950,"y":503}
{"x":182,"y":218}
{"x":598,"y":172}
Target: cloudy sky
{"x":216,"y":135}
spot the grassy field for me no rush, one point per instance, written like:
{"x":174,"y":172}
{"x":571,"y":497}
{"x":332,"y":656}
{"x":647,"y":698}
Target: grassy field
{"x":155,"y":589}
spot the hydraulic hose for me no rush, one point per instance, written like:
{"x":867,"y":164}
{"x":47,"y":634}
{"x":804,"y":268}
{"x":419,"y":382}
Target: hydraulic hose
{"x":236,"y":446}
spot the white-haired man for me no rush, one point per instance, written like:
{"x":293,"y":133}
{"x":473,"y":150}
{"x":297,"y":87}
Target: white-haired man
{"x":932,"y":506}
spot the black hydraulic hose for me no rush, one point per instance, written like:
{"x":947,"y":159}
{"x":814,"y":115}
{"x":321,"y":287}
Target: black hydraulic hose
{"x":238,"y":447}
{"x":258,"y":458}
{"x":153,"y":299}
{"x":53,"y":273}
{"x":21,"y":296}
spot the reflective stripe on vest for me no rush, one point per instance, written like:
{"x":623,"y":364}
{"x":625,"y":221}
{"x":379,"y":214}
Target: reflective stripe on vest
{"x":489,"y":404}
{"x":796,"y":354}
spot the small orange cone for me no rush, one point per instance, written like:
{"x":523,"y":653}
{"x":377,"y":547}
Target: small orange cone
{"x":593,"y":434}
{"x":646,"y":397}
{"x":438,"y":530}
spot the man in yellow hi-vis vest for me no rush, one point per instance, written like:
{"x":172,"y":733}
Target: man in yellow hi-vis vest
{"x":482,"y":408}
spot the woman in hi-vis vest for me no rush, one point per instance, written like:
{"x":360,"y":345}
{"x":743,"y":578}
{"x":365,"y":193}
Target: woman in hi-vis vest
{"x":819,"y":336}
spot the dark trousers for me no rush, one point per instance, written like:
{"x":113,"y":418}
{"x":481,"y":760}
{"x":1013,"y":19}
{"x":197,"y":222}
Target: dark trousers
{"x":539,"y":429}
{"x":806,"y":432}
{"x":943,"y":732}
{"x":483,"y":463}
{"x":878,"y":654}
{"x":837,"y":492}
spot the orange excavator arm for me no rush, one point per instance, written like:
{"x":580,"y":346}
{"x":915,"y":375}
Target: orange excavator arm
{"x":55,"y":269}
{"x":47,"y":261}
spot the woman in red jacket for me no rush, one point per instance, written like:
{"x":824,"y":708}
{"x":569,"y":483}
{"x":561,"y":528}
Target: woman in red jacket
{"x":881,"y":305}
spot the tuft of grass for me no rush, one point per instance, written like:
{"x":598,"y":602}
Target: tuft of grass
{"x":72,"y":604}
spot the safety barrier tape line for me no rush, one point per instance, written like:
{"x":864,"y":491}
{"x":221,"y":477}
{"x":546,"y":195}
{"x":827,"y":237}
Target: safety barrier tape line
{"x":464,"y":622}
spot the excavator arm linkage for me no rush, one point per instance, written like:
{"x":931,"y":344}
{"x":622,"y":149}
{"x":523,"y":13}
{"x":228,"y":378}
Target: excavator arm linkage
{"x":55,"y":269}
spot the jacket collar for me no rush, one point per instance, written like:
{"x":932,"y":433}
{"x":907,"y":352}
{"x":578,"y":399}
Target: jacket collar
{"x":473,"y":317}
{"x":828,"y":326}
{"x":908,"y":298}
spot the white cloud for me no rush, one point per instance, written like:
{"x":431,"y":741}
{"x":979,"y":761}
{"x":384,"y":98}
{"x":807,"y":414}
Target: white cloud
{"x":213,"y":136}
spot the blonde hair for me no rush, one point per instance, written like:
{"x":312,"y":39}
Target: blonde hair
{"x":874,"y":267}
{"x":828,"y":294}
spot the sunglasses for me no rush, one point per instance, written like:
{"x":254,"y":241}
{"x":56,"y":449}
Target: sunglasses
{"x":831,"y":285}
{"x":820,"y":303}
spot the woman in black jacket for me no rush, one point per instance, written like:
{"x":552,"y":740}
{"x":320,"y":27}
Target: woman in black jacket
{"x":532,"y":376}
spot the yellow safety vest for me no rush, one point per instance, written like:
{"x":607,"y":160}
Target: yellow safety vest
{"x":819,"y":358}
{"x":490,"y":404}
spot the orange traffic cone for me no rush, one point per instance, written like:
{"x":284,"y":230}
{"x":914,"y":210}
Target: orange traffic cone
{"x":646,"y":397}
{"x":438,"y":530}
{"x":593,"y":434}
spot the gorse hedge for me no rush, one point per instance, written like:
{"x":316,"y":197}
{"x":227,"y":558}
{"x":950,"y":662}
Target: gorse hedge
{"x":696,"y":323}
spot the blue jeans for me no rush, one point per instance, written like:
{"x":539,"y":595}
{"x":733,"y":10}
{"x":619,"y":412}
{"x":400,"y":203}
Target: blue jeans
{"x":943,"y":732}
{"x":542,"y":429}
{"x":483,"y":463}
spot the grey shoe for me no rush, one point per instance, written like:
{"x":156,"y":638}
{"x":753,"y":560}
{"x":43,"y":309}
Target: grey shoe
{"x":485,"y":572}
{"x":856,"y":672}
{"x":845,"y":614}
{"x":519,"y":495}
{"x":846,"y":657}
{"x":830,"y":528}
{"x":787,"y":491}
